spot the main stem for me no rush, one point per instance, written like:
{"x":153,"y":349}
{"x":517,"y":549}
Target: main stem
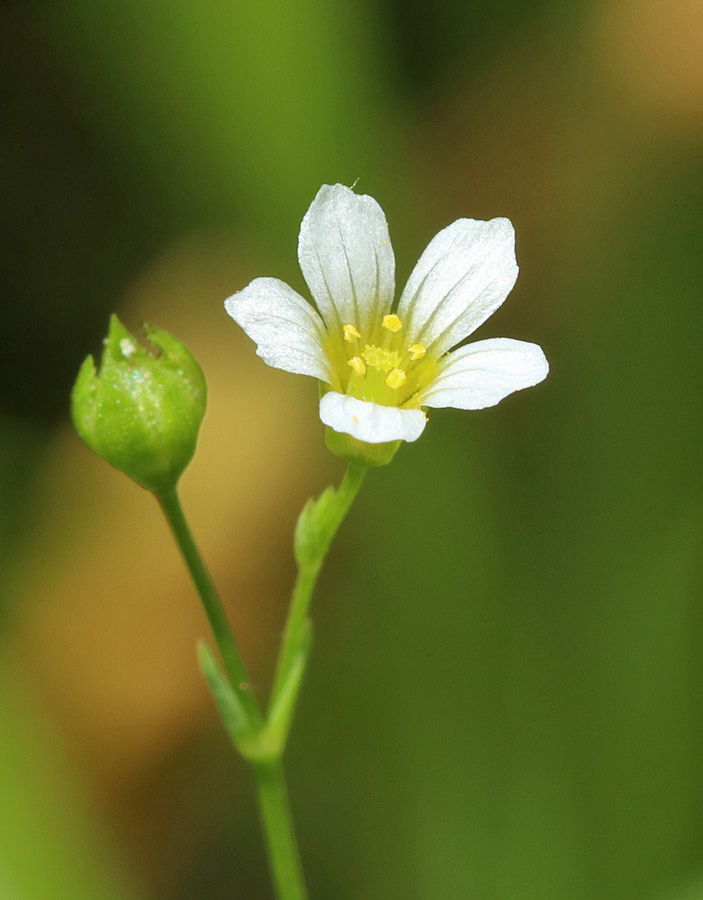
{"x":281,"y":844}
{"x":231,"y":657}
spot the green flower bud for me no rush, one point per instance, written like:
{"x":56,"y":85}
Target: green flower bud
{"x":142,"y":411}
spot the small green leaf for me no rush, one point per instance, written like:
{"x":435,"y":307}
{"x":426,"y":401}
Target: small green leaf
{"x":231,"y":710}
{"x":315,"y":527}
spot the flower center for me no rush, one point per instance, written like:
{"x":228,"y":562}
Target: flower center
{"x":381,"y":366}
{"x":380,"y":358}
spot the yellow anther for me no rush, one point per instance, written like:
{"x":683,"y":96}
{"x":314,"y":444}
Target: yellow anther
{"x":351,"y":333}
{"x":358,"y":365}
{"x":396,"y":378}
{"x":392,"y":323}
{"x":417,"y":351}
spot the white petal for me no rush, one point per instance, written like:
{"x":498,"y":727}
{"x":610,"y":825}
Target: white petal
{"x":483,"y":373}
{"x":371,"y":422}
{"x":346,"y":257}
{"x":287,"y":330}
{"x":463,"y":276}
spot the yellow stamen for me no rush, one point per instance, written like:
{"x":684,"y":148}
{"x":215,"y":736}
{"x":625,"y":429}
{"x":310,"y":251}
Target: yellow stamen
{"x":350,"y":333}
{"x":358,"y":365}
{"x":417,"y":351}
{"x":392,"y":323}
{"x":396,"y":378}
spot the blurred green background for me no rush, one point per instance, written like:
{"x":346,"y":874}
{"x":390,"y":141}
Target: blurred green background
{"x":505,"y":700}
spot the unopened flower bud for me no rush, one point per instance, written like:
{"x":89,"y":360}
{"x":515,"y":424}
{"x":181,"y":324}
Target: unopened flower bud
{"x":141,"y":411}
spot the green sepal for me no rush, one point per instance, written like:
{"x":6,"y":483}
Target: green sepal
{"x":360,"y":452}
{"x":141,"y":411}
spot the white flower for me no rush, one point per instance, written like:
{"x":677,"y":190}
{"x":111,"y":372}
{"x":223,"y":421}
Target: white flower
{"x":382,"y":363}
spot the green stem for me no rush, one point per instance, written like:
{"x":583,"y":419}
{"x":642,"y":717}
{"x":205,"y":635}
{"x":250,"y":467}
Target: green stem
{"x":263,"y":742}
{"x":297,"y":625}
{"x":276,"y":817}
{"x":231,"y":657}
{"x":284,"y":859}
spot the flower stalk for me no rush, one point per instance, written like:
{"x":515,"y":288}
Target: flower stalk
{"x":262,"y":740}
{"x":317,"y":525}
{"x":237,"y":676}
{"x":242,"y":717}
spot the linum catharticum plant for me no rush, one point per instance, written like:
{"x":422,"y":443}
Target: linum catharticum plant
{"x":380,"y":364}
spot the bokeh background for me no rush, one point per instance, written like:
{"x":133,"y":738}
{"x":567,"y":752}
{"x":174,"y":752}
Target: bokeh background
{"x":505,"y":700}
